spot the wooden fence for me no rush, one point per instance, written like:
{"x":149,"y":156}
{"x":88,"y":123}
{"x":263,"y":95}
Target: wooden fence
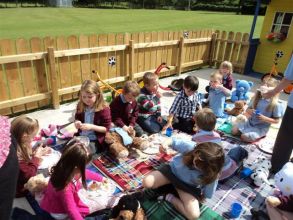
{"x":39,"y":72}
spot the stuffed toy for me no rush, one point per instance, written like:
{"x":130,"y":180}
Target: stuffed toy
{"x":61,"y":131}
{"x":36,"y":186}
{"x":284,"y":183}
{"x":239,"y":120}
{"x":129,"y":208}
{"x":260,"y":171}
{"x":238,"y":108}
{"x":120,"y":150}
{"x":242,"y":88}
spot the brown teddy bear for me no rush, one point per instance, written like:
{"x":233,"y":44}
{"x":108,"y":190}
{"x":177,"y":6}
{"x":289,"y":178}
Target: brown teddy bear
{"x":117,"y":148}
{"x":238,"y":108}
{"x":129,"y":208}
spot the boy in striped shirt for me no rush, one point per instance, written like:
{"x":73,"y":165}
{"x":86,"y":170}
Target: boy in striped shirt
{"x":149,"y":106}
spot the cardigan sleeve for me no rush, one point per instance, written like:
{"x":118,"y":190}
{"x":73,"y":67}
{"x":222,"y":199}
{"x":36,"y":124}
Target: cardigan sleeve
{"x":67,"y":200}
{"x":106,"y":118}
{"x":134,"y":115}
{"x":29,"y":169}
{"x":90,"y":175}
{"x":116,"y":112}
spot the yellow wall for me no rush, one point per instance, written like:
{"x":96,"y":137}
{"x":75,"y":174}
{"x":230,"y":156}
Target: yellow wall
{"x":266,"y":50}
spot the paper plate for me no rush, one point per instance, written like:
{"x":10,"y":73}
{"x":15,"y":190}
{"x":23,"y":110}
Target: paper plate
{"x":50,"y":159}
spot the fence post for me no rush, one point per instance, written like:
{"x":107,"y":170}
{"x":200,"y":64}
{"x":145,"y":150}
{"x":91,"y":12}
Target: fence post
{"x":53,"y":77}
{"x":212,"y":49}
{"x":180,"y":56}
{"x":131,"y":59}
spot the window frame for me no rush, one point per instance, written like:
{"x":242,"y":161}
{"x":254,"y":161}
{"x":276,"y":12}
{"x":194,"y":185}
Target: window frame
{"x":281,"y":24}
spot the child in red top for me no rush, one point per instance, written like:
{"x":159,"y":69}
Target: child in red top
{"x":93,"y":115}
{"x":24,"y":129}
{"x":226,"y":70}
{"x":124,"y":109}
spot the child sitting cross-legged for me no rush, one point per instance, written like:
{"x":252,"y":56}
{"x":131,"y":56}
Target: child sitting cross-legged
{"x":149,"y":116}
{"x":217,"y":94}
{"x":184,"y":106}
{"x":124,"y":109}
{"x":61,"y":198}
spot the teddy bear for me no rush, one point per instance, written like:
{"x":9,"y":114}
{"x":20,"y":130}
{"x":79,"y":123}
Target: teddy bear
{"x":242,"y":88}
{"x":239,"y":120}
{"x":238,"y":108}
{"x":129,"y":208}
{"x":284,"y":183}
{"x":119,"y":148}
{"x":36,"y":186}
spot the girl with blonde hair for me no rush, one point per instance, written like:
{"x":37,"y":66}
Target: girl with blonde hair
{"x":93,"y":115}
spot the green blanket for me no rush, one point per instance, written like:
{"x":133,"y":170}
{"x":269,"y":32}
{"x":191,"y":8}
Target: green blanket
{"x":159,"y":210}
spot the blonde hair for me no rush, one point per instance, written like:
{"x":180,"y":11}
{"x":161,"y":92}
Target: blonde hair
{"x":91,"y":87}
{"x":19,"y":127}
{"x":228,"y":65}
{"x":217,"y":76}
{"x":148,"y":77}
{"x":270,"y":82}
{"x":131,"y":87}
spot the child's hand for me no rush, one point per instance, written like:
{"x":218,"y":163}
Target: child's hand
{"x":159,"y":119}
{"x":125,"y":128}
{"x":42,"y":151}
{"x":86,"y":127}
{"x":262,"y":118}
{"x":78,"y":124}
{"x":158,"y":94}
{"x":168,"y":125}
{"x":273,"y":201}
{"x":163,"y":149}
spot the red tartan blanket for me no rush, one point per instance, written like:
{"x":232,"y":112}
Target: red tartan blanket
{"x":129,"y":173}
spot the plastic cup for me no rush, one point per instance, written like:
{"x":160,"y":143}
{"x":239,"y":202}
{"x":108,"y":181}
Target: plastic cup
{"x":236,"y":209}
{"x":257,"y":112}
{"x":246,"y":172}
{"x":225,"y":106}
{"x":169,"y":132}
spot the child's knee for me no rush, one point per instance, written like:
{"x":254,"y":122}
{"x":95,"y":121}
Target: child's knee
{"x":148,"y":181}
{"x":192,"y":214}
{"x":235,"y":131}
{"x":247,"y":138}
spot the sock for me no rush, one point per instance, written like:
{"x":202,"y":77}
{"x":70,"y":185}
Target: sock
{"x":168,"y":197}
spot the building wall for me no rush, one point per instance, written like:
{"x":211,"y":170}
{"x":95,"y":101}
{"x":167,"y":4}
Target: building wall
{"x":267,"y":49}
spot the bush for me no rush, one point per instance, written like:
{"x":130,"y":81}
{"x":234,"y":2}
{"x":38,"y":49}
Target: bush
{"x":213,"y":7}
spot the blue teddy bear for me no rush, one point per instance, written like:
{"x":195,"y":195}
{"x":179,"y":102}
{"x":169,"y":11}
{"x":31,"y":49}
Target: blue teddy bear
{"x":242,"y":88}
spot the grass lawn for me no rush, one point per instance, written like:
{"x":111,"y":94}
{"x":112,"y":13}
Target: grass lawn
{"x":40,"y":22}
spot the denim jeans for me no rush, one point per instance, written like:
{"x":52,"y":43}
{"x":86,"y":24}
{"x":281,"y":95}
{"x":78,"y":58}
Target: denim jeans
{"x":151,"y":124}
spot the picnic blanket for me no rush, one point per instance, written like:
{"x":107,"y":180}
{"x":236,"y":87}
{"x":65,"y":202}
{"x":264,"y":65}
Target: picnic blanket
{"x":158,"y":210}
{"x":238,"y":189}
{"x":128,"y":174}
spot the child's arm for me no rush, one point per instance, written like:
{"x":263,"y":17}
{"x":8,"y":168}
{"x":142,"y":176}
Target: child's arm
{"x":116,"y":113}
{"x":182,"y":146}
{"x":146,"y":103}
{"x":67,"y":199}
{"x":277,"y":114}
{"x":210,"y":189}
{"x":226,"y":91}
{"x":134,"y":115}
{"x":268,"y":119}
{"x":29,"y":169}
{"x":90,"y":175}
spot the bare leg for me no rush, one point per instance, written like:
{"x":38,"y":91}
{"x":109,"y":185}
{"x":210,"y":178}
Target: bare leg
{"x":235,"y":131}
{"x":187,"y":205}
{"x":277,"y":214}
{"x":154,"y":180}
{"x":245,"y":138}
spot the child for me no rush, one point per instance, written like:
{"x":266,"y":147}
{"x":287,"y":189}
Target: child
{"x":124,"y":109}
{"x":226,"y":70}
{"x":149,"y":116}
{"x":205,"y":121}
{"x":24,"y":129}
{"x":262,"y":113}
{"x":193,"y":173}
{"x":184,"y":106}
{"x":217,"y":94}
{"x":68,"y":176}
{"x":93,"y":115}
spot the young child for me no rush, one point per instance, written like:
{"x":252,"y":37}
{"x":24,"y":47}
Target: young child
{"x":149,"y":116}
{"x":68,"y":176}
{"x":226,"y":70}
{"x":261,"y":113}
{"x":93,"y":115}
{"x":124,"y":109}
{"x":194,"y":173}
{"x":184,"y":106}
{"x":24,"y":129}
{"x":205,"y":121}
{"x":217,"y":94}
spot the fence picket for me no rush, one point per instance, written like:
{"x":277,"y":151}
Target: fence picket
{"x":85,"y":69}
{"x":94,"y":58}
{"x":103,"y":59}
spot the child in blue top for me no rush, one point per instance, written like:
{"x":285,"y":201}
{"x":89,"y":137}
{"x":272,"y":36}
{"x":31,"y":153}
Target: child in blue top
{"x":262,"y":113}
{"x":193,"y":172}
{"x":217,"y":94}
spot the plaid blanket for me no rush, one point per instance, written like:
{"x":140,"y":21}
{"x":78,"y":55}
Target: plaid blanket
{"x":238,"y":189}
{"x":129,"y":173}
{"x":156,"y":210}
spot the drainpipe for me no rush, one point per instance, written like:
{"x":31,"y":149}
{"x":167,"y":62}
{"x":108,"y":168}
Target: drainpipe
{"x":253,"y":42}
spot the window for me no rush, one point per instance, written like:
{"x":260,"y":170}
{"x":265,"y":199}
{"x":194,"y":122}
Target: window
{"x":282,"y":23}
